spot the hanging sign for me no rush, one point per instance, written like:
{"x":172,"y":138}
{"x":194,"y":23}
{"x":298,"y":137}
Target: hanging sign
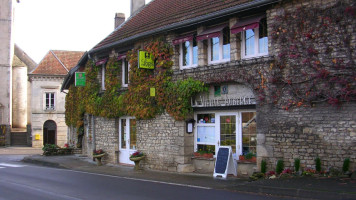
{"x":145,"y":60}
{"x":224,"y":163}
{"x":79,"y":78}
{"x":152,"y":92}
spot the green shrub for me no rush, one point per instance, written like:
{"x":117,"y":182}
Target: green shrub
{"x":346,"y":165}
{"x":296,"y":164}
{"x":317,"y":164}
{"x":280,"y":166}
{"x":263,"y":166}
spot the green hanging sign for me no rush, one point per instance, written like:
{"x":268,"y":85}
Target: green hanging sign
{"x":145,"y":60}
{"x":79,"y":79}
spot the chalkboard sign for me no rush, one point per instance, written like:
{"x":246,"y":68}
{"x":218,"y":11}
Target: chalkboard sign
{"x":221,"y":160}
{"x":224,"y":163}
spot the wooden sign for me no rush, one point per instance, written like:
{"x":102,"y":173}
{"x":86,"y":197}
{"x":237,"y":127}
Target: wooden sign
{"x":224,"y":163}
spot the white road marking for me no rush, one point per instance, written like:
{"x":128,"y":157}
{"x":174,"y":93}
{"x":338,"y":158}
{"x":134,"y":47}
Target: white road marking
{"x":10,"y":165}
{"x":2,"y":167}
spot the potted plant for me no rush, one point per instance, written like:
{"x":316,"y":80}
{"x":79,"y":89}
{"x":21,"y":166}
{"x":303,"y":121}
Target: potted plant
{"x":98,"y":154}
{"x":137,"y":157}
{"x":249,"y":157}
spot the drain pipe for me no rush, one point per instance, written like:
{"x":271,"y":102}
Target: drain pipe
{"x":93,"y":133}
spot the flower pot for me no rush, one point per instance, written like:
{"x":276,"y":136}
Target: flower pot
{"x":137,"y":161}
{"x":98,"y":158}
{"x":196,"y":154}
{"x":208,"y":155}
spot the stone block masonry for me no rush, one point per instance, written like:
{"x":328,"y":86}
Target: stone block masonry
{"x":163,"y":140}
{"x":106,"y":138}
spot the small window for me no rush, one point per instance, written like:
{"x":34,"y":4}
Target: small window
{"x":103,"y":76}
{"x":50,"y":103}
{"x":188,"y":54}
{"x":255,"y":41}
{"x":219,"y":47}
{"x":125,"y":73}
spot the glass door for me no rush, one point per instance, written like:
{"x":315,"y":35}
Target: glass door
{"x":227,"y":129}
{"x":127,"y":139}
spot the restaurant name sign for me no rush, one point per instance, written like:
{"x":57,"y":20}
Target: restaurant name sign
{"x":217,"y":102}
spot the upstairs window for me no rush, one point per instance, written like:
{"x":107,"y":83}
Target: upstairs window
{"x":102,"y":62}
{"x":125,"y":72}
{"x":50,"y":103}
{"x":188,"y":51}
{"x":254,"y":36}
{"x":218,"y":43}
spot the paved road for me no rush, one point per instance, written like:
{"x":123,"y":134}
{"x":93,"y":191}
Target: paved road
{"x":22,"y":181}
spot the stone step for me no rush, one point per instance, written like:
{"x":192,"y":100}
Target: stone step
{"x":18,"y":138}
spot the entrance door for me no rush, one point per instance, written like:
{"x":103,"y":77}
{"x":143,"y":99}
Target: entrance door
{"x":49,"y":132}
{"x":127,"y":139}
{"x":226,"y":131}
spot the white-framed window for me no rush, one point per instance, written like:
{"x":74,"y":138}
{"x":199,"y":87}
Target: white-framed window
{"x":219,"y":47}
{"x":125,"y":72}
{"x":255,"y":41}
{"x":50,"y":101}
{"x":226,"y":128}
{"x":103,"y":76}
{"x":188,"y":54}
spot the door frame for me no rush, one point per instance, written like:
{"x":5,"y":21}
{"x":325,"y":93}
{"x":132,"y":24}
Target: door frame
{"x":124,"y":154}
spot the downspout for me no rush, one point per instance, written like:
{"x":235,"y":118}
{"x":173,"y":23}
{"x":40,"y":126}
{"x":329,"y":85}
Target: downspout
{"x":93,"y":133}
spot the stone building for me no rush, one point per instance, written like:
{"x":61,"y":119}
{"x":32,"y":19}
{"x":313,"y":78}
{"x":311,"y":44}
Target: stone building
{"x":15,"y":90}
{"x":274,"y":81}
{"x":47,"y":110}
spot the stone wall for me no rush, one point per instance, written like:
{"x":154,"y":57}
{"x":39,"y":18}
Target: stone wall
{"x":307,"y":133}
{"x":106,"y":138}
{"x":166,"y":144}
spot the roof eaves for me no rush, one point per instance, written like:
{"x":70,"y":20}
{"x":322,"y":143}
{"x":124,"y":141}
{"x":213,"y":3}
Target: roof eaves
{"x":71,"y":72}
{"x":221,"y":13}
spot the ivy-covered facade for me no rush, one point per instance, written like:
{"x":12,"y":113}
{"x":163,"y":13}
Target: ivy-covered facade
{"x":275,"y":79}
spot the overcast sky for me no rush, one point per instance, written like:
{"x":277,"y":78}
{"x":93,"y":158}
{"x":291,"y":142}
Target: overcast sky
{"x":78,"y":25}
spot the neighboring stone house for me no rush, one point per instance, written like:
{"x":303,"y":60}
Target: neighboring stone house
{"x":280,"y":83}
{"x":47,"y":110}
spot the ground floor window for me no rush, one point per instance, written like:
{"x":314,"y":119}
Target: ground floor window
{"x":234,"y":128}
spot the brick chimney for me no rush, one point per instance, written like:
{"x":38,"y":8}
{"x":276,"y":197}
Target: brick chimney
{"x":136,"y":5}
{"x":119,"y":19}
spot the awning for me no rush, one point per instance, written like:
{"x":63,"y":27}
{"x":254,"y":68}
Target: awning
{"x":211,"y":32}
{"x":100,"y":62}
{"x":121,"y":56}
{"x":246,"y":24}
{"x":182,"y":39}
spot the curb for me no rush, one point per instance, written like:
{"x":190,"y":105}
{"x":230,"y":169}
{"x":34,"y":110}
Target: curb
{"x":293,"y":192}
{"x":43,"y":163}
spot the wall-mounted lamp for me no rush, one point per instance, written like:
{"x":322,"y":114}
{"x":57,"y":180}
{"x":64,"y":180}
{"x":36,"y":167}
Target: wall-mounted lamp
{"x":190,"y":125}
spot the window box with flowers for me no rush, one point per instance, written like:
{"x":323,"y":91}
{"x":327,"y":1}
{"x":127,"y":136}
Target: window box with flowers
{"x":249,"y":157}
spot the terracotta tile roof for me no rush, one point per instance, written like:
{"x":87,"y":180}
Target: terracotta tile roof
{"x":58,"y":62}
{"x":160,"y":13}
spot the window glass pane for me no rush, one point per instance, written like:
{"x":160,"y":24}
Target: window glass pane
{"x":123,"y":133}
{"x":226,"y":44}
{"x":249,"y":132}
{"x":47,"y":100}
{"x":206,"y":118}
{"x":228,"y":131}
{"x":186,"y":58}
{"x":126,"y":68}
{"x":206,"y":148}
{"x":52,"y":100}
{"x":249,"y":42}
{"x":262,"y":37}
{"x":195,"y":52}
{"x":132,"y":134}
{"x":214,"y":47}
{"x":206,"y":134}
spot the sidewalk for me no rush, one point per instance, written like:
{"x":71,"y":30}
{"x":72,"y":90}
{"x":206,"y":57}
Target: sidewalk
{"x":20,"y":151}
{"x":304,"y":187}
